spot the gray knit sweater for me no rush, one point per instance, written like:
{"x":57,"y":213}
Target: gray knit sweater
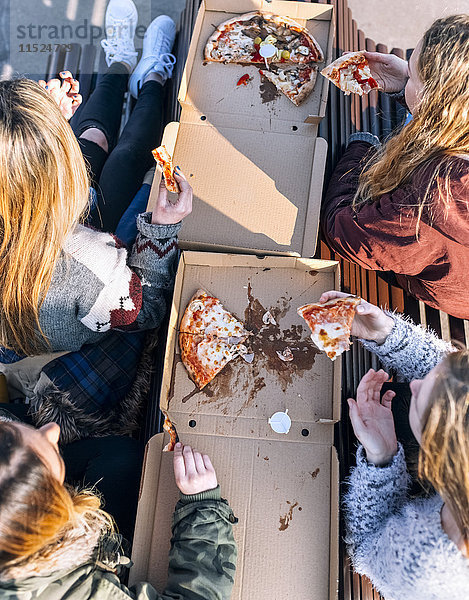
{"x":400,"y":544}
{"x":98,"y":286}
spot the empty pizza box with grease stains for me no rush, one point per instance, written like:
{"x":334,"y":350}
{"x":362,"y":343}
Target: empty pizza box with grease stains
{"x":283,"y":487}
{"x":253,"y":158}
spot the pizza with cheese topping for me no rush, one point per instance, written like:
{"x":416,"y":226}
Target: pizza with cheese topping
{"x":330,"y":323}
{"x":209,"y":337}
{"x":165,"y":162}
{"x":351,"y":73}
{"x":296,"y":83}
{"x":289,"y":51}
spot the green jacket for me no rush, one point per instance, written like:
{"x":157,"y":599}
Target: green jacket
{"x":202,"y":563}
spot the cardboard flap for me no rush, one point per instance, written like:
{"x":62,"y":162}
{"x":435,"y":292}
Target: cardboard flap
{"x":211,"y":88}
{"x":254,"y":191}
{"x":284,"y":497}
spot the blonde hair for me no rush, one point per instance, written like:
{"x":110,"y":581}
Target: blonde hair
{"x":444,"y":451}
{"x":439,"y":130}
{"x":44,"y":188}
{"x":37,"y":512}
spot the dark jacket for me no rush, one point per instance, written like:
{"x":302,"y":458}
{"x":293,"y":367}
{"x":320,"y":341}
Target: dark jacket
{"x":202,"y":563}
{"x":382,"y":235}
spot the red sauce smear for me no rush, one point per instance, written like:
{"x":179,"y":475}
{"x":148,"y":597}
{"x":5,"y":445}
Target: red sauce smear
{"x":370,"y":81}
{"x":256,"y":57}
{"x":244,"y":80}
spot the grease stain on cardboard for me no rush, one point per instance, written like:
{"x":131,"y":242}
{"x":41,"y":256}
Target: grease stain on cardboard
{"x":286,"y":519}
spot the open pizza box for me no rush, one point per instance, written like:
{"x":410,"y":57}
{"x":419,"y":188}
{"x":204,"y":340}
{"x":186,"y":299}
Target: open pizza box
{"x":253,"y":158}
{"x":283,"y":487}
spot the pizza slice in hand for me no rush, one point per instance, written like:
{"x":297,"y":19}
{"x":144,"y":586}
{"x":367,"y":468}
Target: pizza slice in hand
{"x":165,"y":161}
{"x":209,"y":337}
{"x":330,"y":323}
{"x":351,"y":73}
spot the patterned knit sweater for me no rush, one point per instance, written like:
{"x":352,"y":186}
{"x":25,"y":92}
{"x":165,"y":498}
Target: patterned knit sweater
{"x":98,"y":286}
{"x":400,"y":544}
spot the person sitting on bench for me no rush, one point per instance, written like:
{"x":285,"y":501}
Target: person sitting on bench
{"x":411,"y":549}
{"x":402,"y":208}
{"x":58,"y":543}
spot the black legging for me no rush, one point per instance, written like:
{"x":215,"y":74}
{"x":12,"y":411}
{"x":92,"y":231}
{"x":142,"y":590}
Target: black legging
{"x":118,"y":175}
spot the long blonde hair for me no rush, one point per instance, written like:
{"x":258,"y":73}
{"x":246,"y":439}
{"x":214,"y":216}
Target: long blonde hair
{"x":439,"y":130}
{"x":38,"y":514}
{"x":44,"y":188}
{"x":444,"y":451}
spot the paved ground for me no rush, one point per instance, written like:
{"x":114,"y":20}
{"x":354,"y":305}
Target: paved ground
{"x":35,"y":25}
{"x":400,"y":23}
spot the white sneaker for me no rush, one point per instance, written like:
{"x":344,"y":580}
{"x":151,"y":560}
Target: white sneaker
{"x":156,"y":57}
{"x":121,"y":20}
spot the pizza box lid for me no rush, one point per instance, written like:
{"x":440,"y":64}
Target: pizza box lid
{"x":211,"y":88}
{"x":282,"y":487}
{"x":256,"y":190}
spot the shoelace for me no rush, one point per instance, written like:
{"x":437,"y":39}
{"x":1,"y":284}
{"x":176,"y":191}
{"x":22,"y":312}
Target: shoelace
{"x":117,"y":44}
{"x":166,"y":63}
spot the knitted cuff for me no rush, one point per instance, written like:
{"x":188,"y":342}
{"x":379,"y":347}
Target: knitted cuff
{"x":160,"y":232}
{"x":397,"y":463}
{"x":364,"y":136}
{"x":214,"y":494}
{"x":394,"y":339}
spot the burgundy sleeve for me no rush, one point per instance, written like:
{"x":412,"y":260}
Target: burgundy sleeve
{"x":380,"y":235}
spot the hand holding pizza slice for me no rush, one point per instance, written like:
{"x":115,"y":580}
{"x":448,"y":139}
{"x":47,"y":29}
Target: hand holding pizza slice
{"x":331,"y":323}
{"x":351,"y":73}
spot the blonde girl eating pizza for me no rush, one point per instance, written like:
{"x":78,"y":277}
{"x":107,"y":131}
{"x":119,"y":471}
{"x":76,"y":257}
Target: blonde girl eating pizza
{"x":411,"y":549}
{"x":403,"y":207}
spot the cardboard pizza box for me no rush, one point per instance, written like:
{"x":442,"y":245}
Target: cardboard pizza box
{"x":256,"y":166}
{"x":283,"y":488}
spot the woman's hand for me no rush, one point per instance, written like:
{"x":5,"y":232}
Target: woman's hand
{"x":167,"y":213}
{"x":390,"y":71}
{"x":372,"y":419}
{"x":65,"y":93}
{"x":194,"y":472}
{"x":370,"y":322}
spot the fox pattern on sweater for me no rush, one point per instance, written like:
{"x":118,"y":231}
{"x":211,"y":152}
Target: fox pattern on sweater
{"x":98,"y":286}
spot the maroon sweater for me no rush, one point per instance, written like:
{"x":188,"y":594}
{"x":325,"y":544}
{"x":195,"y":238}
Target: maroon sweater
{"x":382,"y":236}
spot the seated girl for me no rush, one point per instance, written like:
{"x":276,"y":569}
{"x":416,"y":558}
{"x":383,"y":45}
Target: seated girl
{"x":65,"y":285}
{"x":410,"y":549}
{"x":58,"y":543}
{"x":403,"y":207}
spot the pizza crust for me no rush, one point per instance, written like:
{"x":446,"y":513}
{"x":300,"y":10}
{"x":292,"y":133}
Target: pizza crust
{"x":289,"y":91}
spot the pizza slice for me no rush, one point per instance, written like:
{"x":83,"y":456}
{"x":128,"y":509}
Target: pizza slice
{"x":241,"y":39}
{"x":330,"y":323}
{"x":165,"y":161}
{"x":209,"y":337}
{"x":296,"y":83}
{"x":351,"y":73}
{"x":169,"y":427}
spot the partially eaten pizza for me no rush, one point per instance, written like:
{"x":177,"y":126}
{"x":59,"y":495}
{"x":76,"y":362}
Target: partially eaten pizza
{"x":330,"y":323}
{"x":209,"y":338}
{"x":351,"y":73}
{"x":165,"y":161}
{"x":289,"y":51}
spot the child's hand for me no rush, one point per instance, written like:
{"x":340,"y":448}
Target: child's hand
{"x":194,"y":472}
{"x":369,"y":323}
{"x":65,"y":94}
{"x":167,"y":213}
